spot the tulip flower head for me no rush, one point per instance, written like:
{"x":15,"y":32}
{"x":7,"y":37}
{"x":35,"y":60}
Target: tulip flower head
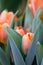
{"x":5,"y":20}
{"x":26,"y":41}
{"x":35,"y":5}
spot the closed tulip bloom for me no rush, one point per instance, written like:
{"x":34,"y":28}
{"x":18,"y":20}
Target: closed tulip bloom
{"x":5,"y":20}
{"x":26,"y":41}
{"x":35,"y":5}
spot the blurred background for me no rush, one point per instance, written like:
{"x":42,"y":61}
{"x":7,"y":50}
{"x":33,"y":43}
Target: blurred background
{"x":12,"y":5}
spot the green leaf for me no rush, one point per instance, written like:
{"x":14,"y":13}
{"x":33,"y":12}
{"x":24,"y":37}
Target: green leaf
{"x":18,"y":59}
{"x":13,"y":21}
{"x":8,"y":50}
{"x":36,"y":20}
{"x":16,"y":37}
{"x":39,"y":11}
{"x":32,"y":50}
{"x":35,"y":23}
{"x":41,"y":33}
{"x":0,"y":64}
{"x":42,"y":62}
{"x":20,"y":22}
{"x":3,"y":58}
{"x":28,"y":19}
{"x":39,"y":53}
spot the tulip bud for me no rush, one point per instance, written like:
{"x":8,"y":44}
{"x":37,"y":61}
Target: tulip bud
{"x":26,"y":41}
{"x":5,"y":20}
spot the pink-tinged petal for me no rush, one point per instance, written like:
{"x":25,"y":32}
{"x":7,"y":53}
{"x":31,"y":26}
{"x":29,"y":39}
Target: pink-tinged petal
{"x":9,"y":17}
{"x":26,"y":41}
{"x":3,"y":16}
{"x":20,"y":30}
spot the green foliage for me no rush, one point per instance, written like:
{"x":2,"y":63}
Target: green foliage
{"x":16,"y":37}
{"x":3,"y":58}
{"x":18,"y":59}
{"x":14,"y":43}
{"x":7,"y":51}
{"x":13,"y":20}
{"x":32,"y":50}
{"x":36,"y":20}
{"x":42,"y":62}
{"x":28,"y":19}
{"x":39,"y":53}
{"x":41,"y":33}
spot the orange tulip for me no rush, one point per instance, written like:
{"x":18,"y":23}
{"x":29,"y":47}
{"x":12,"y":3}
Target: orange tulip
{"x":21,"y":30}
{"x":35,"y":5}
{"x":27,"y":37}
{"x":26,"y":41}
{"x":5,"y":20}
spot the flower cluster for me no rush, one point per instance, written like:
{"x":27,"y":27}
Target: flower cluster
{"x":27,"y":37}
